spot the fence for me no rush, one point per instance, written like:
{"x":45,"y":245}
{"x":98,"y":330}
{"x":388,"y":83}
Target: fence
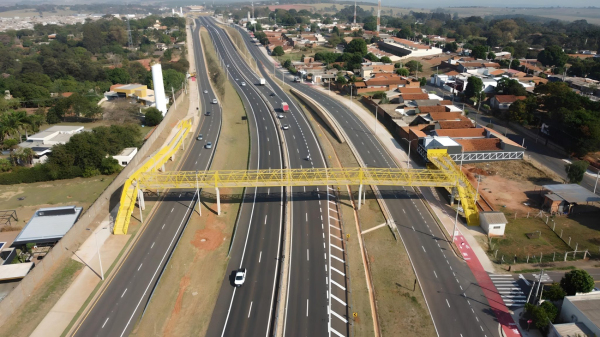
{"x":576,"y":246}
{"x":78,"y":234}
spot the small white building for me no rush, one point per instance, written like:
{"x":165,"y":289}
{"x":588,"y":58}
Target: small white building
{"x":493,"y":223}
{"x":126,"y":155}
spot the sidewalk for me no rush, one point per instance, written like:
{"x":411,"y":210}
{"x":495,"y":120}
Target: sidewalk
{"x":110,"y":246}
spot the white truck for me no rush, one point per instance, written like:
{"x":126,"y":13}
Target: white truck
{"x":261,"y":81}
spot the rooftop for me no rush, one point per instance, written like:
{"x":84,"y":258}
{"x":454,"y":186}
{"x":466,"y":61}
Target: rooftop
{"x":462,"y":124}
{"x":508,"y":98}
{"x":573,"y":193}
{"x":481,"y":144}
{"x":48,"y":225}
{"x":572,"y":329}
{"x":494,"y":217}
{"x":589,"y":305}
{"x":462,"y":133}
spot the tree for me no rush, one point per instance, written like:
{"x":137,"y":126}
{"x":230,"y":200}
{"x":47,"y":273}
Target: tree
{"x":479,"y":52}
{"x":577,"y":281}
{"x":491,"y":55}
{"x":553,"y":56}
{"x":287,"y":63}
{"x":386,"y":59}
{"x":357,"y":46}
{"x":118,"y":76}
{"x":402,"y":72}
{"x":277,"y":51}
{"x":153,"y":116}
{"x":451,"y":47}
{"x":93,"y":39}
{"x":474,"y":87}
{"x":372,"y":26}
{"x":518,"y":112}
{"x":109,"y":165}
{"x":550,"y":309}
{"x":539,"y":315}
{"x":371,"y":57}
{"x":509,"y":86}
{"x":405,"y":33}
{"x":423,"y":81}
{"x":172,"y":79}
{"x":414,"y":66}
{"x":575,"y":172}
{"x":341,"y":79}
{"x":554,"y":292}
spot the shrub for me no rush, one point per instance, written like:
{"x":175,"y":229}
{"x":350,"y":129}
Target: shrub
{"x":5,"y":165}
{"x":577,"y":281}
{"x":153,"y":117}
{"x":554,"y":292}
{"x":109,"y":165}
{"x":90,"y":172}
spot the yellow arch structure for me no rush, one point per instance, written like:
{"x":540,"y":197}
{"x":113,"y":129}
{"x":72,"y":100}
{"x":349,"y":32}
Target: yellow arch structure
{"x":445,"y":175}
{"x":131,"y":187}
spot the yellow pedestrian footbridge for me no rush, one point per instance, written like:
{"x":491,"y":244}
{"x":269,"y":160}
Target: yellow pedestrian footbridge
{"x":443,"y":173}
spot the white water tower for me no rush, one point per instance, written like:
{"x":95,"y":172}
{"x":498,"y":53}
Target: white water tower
{"x":159,"y":88}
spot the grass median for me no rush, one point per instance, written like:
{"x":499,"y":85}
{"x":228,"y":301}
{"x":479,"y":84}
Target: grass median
{"x":183,"y":302}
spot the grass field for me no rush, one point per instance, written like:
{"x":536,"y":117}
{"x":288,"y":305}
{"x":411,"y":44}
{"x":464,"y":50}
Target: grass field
{"x":296,"y":54}
{"x":79,"y":191}
{"x":183,"y":302}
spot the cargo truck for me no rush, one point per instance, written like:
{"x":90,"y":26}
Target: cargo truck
{"x":262,"y":81}
{"x":285,"y":107}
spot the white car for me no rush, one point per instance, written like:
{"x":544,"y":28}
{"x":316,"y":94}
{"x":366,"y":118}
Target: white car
{"x":280,"y":116}
{"x":208,"y":145}
{"x":240,"y":277}
{"x":285,"y":126}
{"x":243,"y":84}
{"x":206,"y":91}
{"x":214,"y":101}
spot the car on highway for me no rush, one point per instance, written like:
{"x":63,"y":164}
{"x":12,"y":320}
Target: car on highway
{"x":199,"y":137}
{"x":243,"y":84}
{"x":285,"y":126}
{"x":208,"y":145}
{"x":240,"y":277}
{"x":207,"y":113}
{"x":280,"y":116}
{"x":214,"y":101}
{"x":206,"y":91}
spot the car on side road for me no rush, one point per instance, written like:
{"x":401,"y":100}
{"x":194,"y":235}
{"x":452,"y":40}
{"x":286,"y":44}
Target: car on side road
{"x":285,"y":126}
{"x":280,"y":116}
{"x":240,"y":277}
{"x":243,"y":84}
{"x":199,"y":137}
{"x":208,"y":145}
{"x":207,"y":113}
{"x":206,"y":91}
{"x":214,"y":101}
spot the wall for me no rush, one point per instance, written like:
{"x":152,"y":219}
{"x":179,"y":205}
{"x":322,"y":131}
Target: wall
{"x":77,"y":234}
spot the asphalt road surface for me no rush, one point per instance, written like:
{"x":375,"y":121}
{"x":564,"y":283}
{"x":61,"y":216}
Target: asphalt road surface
{"x":457,"y":304}
{"x":307,"y":300}
{"x":120,"y":306}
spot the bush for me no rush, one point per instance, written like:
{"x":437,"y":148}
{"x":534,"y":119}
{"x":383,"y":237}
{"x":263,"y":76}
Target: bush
{"x":153,"y":117}
{"x":277,"y":51}
{"x":5,"y":165}
{"x":577,"y":281}
{"x":10,"y":143}
{"x":109,"y":165}
{"x":90,"y":172}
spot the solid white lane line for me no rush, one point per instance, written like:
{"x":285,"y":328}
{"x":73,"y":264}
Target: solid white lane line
{"x":140,"y":266}
{"x":435,"y":274}
{"x":306,"y":217}
{"x":123,"y":294}
{"x":260,"y":256}
{"x":163,"y":226}
{"x":265,"y":219}
{"x":105,"y":322}
{"x":334,"y":246}
{"x":337,"y":333}
{"x":249,"y":311}
{"x":338,"y":316}
{"x":152,"y":245}
{"x":337,"y":258}
{"x":424,"y":249}
{"x":307,"y":307}
{"x":307,"y":255}
{"x":172,"y":209}
{"x":448,"y":303}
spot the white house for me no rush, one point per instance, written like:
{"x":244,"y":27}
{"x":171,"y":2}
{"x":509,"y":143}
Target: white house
{"x":493,"y":223}
{"x":42,"y":142}
{"x":126,"y":155}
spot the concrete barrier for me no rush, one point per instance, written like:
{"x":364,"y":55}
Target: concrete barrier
{"x":324,"y":114}
{"x":78,"y":233}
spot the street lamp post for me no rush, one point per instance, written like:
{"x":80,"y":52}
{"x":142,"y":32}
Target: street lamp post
{"x":455,"y":221}
{"x":98,"y":252}
{"x":596,"y":184}
{"x":408,"y":158}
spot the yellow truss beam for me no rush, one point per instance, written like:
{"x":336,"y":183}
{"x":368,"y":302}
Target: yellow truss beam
{"x":296,"y":177}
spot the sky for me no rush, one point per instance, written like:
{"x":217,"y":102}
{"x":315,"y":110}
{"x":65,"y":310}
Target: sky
{"x":489,"y":3}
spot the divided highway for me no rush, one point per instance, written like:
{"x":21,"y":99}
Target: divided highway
{"x":455,"y":300}
{"x":253,"y":313}
{"x":120,"y":306}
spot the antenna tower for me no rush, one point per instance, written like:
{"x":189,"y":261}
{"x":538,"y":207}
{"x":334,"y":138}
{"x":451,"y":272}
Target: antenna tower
{"x":378,"y":16}
{"x":355,"y":13}
{"x":129,"y":39}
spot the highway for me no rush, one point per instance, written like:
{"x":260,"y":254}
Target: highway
{"x":310,"y":261}
{"x":457,"y":304}
{"x":120,"y":306}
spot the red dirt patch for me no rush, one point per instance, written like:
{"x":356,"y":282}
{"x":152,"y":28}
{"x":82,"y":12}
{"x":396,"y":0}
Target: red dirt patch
{"x":171,"y":324}
{"x":208,"y":239}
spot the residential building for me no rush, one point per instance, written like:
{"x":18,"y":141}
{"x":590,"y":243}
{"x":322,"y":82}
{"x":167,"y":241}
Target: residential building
{"x":581,"y":314}
{"x":369,"y":68}
{"x":139,"y":92}
{"x":126,"y":155}
{"x":503,"y":102}
{"x":493,"y":223}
